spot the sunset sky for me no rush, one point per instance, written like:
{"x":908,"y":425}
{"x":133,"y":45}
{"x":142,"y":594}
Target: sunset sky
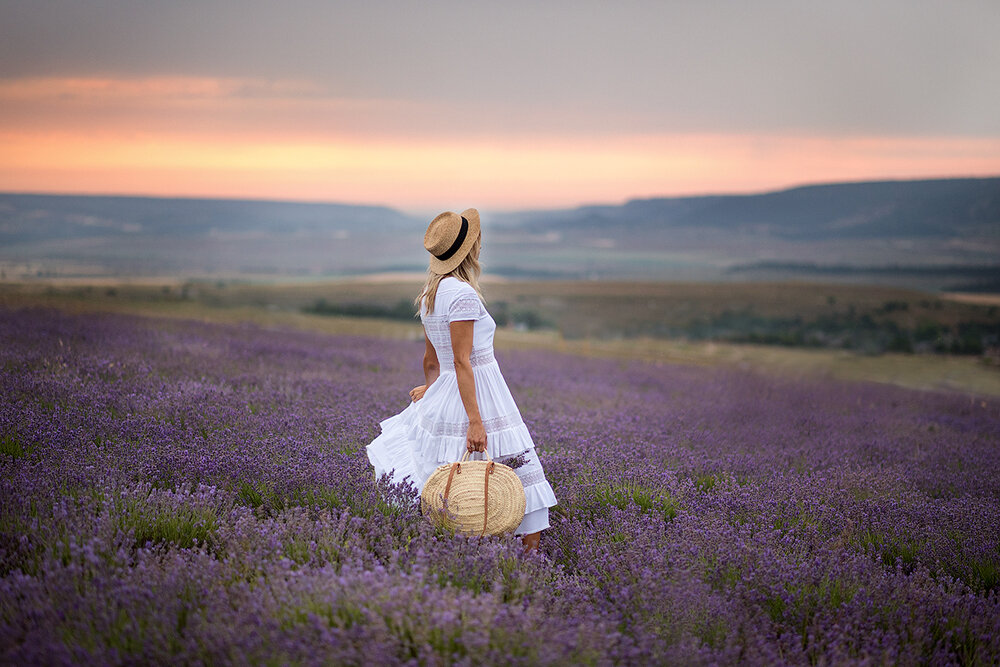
{"x":503,"y":105}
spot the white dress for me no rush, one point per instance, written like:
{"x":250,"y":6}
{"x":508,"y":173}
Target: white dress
{"x":432,"y":431}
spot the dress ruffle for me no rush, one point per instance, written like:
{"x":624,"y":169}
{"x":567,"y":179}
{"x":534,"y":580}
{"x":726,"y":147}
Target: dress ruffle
{"x":431,"y":432}
{"x":435,"y":426}
{"x":538,"y":496}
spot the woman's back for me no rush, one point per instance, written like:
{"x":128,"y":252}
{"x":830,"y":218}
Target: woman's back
{"x":457,"y":301}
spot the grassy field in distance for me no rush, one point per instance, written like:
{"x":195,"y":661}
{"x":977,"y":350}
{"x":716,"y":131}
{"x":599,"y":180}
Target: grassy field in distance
{"x":587,"y":307}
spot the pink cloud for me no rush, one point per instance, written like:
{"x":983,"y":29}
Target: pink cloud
{"x":188,"y":136}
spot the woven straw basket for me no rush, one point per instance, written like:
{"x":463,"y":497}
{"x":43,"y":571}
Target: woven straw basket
{"x":474,"y":497}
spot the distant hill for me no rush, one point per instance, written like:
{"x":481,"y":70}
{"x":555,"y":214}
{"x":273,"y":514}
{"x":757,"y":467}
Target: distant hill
{"x":867,"y":231}
{"x":126,"y":235}
{"x":869,"y":210}
{"x":943,"y":233}
{"x":34,"y":217}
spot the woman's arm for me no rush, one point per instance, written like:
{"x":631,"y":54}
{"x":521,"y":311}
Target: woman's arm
{"x":461,"y":345}
{"x":431,"y":370}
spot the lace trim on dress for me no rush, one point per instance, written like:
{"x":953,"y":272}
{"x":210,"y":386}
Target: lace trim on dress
{"x":439,"y":335}
{"x":437,"y":326}
{"x":481,"y":357}
{"x":454,"y":430}
{"x":465,"y":307}
{"x":531,"y":477}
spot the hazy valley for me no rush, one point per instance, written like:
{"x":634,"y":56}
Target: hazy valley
{"x":926,"y":234}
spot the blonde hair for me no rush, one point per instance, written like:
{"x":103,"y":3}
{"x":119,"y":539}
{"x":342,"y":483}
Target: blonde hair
{"x":468,"y":272}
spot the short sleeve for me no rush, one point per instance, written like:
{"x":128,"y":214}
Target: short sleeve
{"x":465,"y":306}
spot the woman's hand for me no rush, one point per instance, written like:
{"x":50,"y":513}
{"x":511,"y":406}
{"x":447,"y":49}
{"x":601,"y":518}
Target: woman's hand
{"x":417,"y":393}
{"x":475,"y":437}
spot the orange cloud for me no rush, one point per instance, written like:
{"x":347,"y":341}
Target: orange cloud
{"x":291,"y":140}
{"x":152,"y":89}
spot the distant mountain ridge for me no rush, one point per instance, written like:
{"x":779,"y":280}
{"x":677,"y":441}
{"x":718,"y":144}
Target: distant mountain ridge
{"x":877,"y":209}
{"x":78,"y":234}
{"x":33,"y":216}
{"x":855,"y":227}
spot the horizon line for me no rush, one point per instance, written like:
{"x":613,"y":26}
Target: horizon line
{"x":503,"y":210}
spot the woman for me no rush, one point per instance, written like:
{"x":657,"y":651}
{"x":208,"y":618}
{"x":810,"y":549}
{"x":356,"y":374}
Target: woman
{"x":464,"y":402}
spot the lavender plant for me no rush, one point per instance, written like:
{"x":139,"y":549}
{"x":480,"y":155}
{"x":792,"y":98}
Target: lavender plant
{"x":182,"y":492}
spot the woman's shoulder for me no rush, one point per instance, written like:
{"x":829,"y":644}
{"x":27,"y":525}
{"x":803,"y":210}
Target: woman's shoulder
{"x":459,"y":300}
{"x":456,"y":286}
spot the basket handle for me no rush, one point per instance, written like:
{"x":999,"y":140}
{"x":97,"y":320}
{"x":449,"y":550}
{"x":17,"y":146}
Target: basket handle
{"x":486,"y":496}
{"x":456,"y":469}
{"x":467,"y":454}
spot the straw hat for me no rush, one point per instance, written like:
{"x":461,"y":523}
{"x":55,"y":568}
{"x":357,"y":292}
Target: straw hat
{"x":449,"y":239}
{"x":474,"y":497}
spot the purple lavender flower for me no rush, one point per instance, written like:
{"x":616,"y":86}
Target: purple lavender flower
{"x":175,"y":491}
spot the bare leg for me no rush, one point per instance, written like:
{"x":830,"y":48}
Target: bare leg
{"x":531,"y":540}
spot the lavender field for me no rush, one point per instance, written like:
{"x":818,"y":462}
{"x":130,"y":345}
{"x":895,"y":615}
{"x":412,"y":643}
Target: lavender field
{"x":179,"y":492}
